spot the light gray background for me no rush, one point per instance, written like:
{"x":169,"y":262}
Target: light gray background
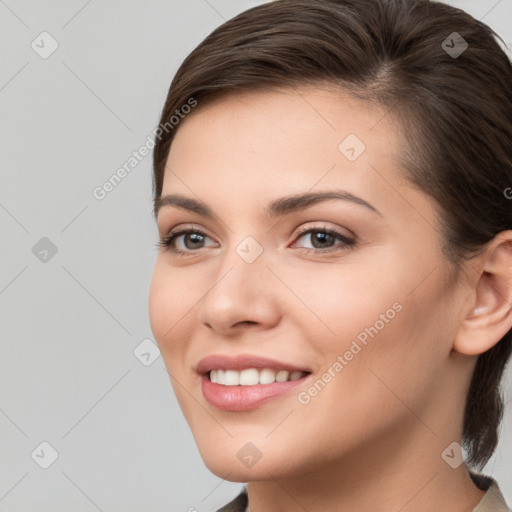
{"x":70,"y":325}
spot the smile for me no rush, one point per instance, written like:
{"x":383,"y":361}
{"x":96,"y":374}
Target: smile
{"x":253,"y":376}
{"x":245,"y":397}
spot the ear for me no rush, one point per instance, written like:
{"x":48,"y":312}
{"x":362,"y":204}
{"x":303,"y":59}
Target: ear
{"x":487,"y":316}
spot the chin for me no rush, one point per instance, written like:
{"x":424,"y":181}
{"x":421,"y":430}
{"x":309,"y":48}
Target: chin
{"x":237,"y":461}
{"x":232,"y":470}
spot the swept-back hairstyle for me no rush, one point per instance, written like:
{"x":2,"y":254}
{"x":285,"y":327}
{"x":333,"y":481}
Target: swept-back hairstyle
{"x":452,"y":104}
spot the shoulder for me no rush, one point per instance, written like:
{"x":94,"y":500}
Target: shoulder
{"x":493,"y":500}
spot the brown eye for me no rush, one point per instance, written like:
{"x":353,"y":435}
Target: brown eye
{"x":192,"y":240}
{"x":323,"y":240}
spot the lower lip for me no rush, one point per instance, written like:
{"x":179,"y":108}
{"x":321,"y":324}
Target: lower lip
{"x":245,"y":398}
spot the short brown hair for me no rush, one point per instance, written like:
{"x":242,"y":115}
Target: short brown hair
{"x":455,"y":109}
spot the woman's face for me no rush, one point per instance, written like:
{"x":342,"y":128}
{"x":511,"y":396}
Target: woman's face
{"x":369,"y":313}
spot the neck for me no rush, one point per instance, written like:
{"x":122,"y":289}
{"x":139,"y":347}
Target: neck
{"x":405,"y":473}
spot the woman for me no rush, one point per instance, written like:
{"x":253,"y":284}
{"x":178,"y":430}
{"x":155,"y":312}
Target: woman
{"x":332,"y":294}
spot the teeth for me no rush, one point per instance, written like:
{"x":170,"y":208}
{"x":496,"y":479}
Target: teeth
{"x":252,"y":376}
{"x":231,"y":378}
{"x":267,"y":376}
{"x":249,"y":377}
{"x":282,"y":376}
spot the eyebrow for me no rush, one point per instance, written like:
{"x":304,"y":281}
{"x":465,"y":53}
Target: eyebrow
{"x":276,"y":208}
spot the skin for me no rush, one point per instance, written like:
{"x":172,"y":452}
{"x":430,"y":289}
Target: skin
{"x":372,"y":439}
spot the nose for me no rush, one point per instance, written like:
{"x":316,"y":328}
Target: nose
{"x":241,"y":294}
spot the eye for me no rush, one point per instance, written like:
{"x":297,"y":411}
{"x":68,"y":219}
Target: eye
{"x":323,"y":237}
{"x":194,"y":238}
{"x":191,"y":242}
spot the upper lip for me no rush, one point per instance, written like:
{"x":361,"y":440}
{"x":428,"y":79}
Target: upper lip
{"x":243,"y":362}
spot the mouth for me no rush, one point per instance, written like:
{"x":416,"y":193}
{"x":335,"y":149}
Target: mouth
{"x":252,"y":376}
{"x":243,"y":382}
{"x":250,"y":389}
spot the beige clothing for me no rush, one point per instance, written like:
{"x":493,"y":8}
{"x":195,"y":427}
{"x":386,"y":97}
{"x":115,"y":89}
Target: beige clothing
{"x":492,"y":500}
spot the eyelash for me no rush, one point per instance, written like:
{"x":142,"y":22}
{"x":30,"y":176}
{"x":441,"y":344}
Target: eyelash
{"x":347,"y":243}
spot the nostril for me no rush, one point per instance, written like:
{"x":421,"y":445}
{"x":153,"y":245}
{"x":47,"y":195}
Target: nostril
{"x":247,"y":322}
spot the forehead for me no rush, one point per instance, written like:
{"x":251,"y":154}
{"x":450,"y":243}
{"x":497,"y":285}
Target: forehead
{"x":326,"y":108}
{"x":266,"y":134}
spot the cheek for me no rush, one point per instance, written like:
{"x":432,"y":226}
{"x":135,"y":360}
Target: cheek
{"x":167,"y":308}
{"x":168,"y":320}
{"x":374,"y":315}
{"x":158,"y":303}
{"x":344,"y":300}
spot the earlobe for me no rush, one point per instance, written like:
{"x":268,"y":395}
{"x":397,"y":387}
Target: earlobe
{"x":489,"y":316}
